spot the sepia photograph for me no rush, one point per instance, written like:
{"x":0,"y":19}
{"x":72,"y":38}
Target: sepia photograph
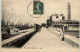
{"x":40,"y":25}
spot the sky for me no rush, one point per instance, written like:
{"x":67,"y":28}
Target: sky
{"x":17,"y":10}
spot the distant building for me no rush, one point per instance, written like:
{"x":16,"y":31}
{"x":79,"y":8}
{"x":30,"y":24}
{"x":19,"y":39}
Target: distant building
{"x":72,"y":25}
{"x":59,"y":24}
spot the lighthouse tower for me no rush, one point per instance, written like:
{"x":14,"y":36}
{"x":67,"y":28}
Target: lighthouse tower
{"x":69,"y":12}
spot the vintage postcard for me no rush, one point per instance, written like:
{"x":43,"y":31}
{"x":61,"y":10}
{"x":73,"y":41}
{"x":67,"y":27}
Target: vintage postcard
{"x":40,"y":25}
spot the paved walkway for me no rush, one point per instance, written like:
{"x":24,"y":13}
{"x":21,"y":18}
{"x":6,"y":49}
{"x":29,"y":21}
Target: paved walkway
{"x":46,"y":39}
{"x":74,"y":41}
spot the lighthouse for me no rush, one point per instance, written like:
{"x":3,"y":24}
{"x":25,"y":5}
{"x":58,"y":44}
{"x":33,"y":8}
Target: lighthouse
{"x":69,"y":12}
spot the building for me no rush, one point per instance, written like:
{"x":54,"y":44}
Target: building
{"x":70,"y":23}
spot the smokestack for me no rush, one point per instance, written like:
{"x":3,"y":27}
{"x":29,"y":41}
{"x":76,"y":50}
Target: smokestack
{"x":69,"y":12}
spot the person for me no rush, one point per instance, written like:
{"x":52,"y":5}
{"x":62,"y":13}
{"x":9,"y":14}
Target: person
{"x":62,"y":34}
